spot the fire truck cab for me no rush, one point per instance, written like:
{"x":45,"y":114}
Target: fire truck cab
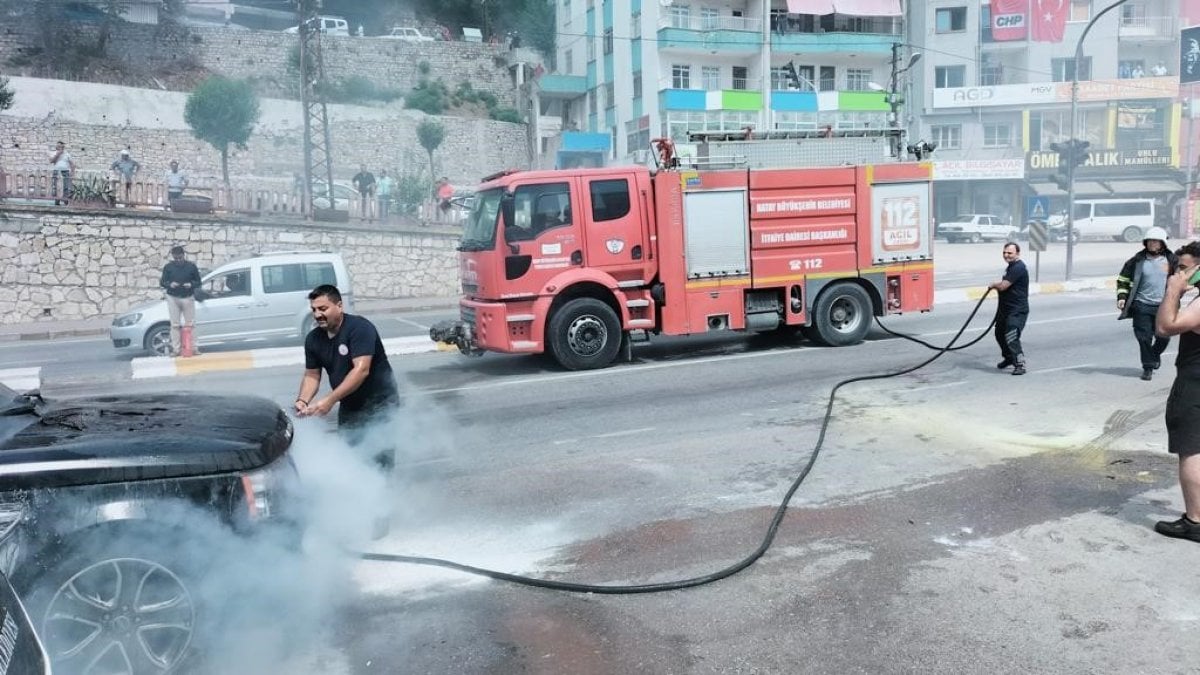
{"x":574,"y":262}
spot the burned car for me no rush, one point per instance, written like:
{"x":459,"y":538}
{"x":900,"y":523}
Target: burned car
{"x":113,"y":511}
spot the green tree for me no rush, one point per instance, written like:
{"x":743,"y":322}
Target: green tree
{"x":7,"y":95}
{"x":113,"y":9}
{"x":222,"y":112}
{"x":430,"y":134}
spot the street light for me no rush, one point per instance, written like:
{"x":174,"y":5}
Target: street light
{"x":1075,"y":141}
{"x":893,"y":97}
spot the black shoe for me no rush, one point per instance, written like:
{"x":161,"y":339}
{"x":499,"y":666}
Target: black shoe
{"x":1004,"y":364}
{"x":1180,"y":529}
{"x":1148,"y":374}
{"x":1158,"y":364}
{"x":1019,"y":370}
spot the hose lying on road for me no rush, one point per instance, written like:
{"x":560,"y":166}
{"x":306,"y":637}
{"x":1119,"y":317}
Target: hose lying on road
{"x":772,"y":529}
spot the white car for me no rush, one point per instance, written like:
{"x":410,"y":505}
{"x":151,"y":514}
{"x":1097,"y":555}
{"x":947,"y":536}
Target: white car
{"x":344,"y":196}
{"x":407,"y":34}
{"x":977,"y":227}
{"x":330,"y":25}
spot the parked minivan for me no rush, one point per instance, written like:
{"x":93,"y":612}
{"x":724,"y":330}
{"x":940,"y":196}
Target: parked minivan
{"x":330,"y":25}
{"x":1120,"y":219}
{"x":261,"y":297}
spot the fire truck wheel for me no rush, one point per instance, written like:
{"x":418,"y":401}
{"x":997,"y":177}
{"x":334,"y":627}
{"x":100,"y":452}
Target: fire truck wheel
{"x":585,"y":333}
{"x":842,"y":315}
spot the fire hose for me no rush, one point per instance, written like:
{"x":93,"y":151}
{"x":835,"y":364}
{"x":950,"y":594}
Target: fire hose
{"x":772,"y":529}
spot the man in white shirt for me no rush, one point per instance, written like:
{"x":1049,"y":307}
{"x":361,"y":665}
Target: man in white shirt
{"x":63,"y":166}
{"x":176,"y":182}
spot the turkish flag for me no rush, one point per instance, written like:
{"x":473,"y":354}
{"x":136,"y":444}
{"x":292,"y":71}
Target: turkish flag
{"x":1010,"y":20}
{"x":1049,"y":19}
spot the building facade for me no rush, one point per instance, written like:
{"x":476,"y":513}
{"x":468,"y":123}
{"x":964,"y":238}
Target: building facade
{"x":994,"y":92}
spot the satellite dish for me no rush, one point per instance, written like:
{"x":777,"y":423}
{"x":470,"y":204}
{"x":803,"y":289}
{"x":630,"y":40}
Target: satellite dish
{"x":666,"y":3}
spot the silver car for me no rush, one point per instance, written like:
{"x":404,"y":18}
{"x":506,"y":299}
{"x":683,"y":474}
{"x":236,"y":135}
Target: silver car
{"x":265,"y":297}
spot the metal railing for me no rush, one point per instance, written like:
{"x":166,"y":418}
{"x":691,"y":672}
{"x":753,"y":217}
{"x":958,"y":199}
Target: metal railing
{"x":1136,"y":25}
{"x":709,"y":23}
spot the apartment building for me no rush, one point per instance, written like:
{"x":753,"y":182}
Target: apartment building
{"x":995,"y":94}
{"x":627,"y":71}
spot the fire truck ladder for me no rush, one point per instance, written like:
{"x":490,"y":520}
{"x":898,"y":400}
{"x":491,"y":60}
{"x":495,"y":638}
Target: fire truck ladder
{"x":318,"y":164}
{"x":790,"y":149}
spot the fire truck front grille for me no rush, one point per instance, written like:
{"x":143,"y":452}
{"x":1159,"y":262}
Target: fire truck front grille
{"x":467,"y":314}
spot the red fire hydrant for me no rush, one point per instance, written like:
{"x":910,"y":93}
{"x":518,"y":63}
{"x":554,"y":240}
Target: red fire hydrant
{"x":187,"y":347}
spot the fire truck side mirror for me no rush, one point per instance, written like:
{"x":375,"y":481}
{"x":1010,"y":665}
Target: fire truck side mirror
{"x":506,"y":209}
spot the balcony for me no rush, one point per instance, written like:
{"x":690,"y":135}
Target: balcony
{"x":696,"y":100}
{"x":567,"y":87}
{"x":709,"y":34}
{"x":1148,"y":28}
{"x":841,"y":34}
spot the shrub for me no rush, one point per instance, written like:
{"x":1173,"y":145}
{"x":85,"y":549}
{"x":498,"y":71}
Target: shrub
{"x":506,"y":115}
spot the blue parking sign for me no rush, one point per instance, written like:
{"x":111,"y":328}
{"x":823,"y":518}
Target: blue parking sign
{"x":1037,"y":208}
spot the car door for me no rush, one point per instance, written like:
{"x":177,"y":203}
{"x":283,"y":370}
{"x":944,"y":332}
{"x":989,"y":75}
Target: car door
{"x":1085,"y":224}
{"x":226,"y":310}
{"x":543,"y":237}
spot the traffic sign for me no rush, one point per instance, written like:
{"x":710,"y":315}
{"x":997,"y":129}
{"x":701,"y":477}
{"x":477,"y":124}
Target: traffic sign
{"x":1037,"y":235}
{"x":1037,"y":208}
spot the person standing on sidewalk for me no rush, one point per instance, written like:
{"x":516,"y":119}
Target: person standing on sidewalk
{"x":1183,"y":404}
{"x":126,"y":167}
{"x":176,"y":182}
{"x":180,"y":279}
{"x":364,"y":182}
{"x":1140,"y":288}
{"x":385,"y":195}
{"x":1013,"y":309}
{"x":64,"y":166}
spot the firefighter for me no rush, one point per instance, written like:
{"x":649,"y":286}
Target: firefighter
{"x":1140,"y":288}
{"x":1013,"y":309}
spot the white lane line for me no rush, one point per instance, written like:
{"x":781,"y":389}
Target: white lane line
{"x":626,"y":432}
{"x":21,"y":379}
{"x":398,"y":319}
{"x":1039,"y":371}
{"x":937,"y":386}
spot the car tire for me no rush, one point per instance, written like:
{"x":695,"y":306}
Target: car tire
{"x":975,"y":238}
{"x":1013,"y":235}
{"x":951,"y":240}
{"x":583,"y":334}
{"x":306,"y":327}
{"x":122,"y":598}
{"x":158,"y":340}
{"x":1131,"y":234}
{"x":842,"y":315}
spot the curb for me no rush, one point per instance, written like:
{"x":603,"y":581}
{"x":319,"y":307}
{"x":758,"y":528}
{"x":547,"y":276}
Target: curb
{"x":145,"y":367}
{"x":21,"y":379}
{"x":974,"y":293}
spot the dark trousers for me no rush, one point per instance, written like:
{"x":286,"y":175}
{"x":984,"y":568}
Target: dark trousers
{"x":1150,"y":345}
{"x":1008,"y":335}
{"x":367,"y":425}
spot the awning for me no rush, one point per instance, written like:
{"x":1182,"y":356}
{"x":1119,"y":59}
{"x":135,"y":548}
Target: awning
{"x":1087,"y":188}
{"x":850,"y":7}
{"x":1133,"y":188}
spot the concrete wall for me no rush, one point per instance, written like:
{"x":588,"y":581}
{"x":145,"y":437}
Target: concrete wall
{"x":80,"y":265}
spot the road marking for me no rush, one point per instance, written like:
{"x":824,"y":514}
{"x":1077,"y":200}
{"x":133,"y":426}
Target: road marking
{"x":626,"y":432}
{"x":1039,"y":371}
{"x":937,"y":386}
{"x":21,"y":379}
{"x":399,"y":319}
{"x":17,"y":344}
{"x":1029,"y":323}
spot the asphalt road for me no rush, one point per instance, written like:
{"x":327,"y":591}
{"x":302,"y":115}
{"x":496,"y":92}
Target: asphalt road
{"x":958,"y":519}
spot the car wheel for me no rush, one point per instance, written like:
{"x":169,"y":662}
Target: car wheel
{"x":1132,"y":234}
{"x":118,"y":605}
{"x":951,"y":240}
{"x":976,"y":238}
{"x":158,"y":340}
{"x":307,"y":326}
{"x":1012,"y":236}
{"x":842,"y":315}
{"x":584,"y":333}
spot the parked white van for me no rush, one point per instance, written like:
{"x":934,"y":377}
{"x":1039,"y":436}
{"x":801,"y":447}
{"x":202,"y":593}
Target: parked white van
{"x":329,"y":25}
{"x":261,"y":297}
{"x":1120,"y":219}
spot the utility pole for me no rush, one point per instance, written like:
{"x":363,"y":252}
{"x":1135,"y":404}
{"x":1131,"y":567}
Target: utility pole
{"x":894,"y":138}
{"x":1075,"y":134}
{"x":317,"y":161}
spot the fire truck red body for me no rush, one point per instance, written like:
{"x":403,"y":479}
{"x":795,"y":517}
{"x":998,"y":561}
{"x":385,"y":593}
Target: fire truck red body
{"x":576,"y":262}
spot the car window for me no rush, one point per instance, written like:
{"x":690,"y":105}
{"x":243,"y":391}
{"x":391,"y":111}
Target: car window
{"x":537,"y":208}
{"x":1114,"y":209}
{"x":297,"y":277}
{"x":1083,"y":211}
{"x":229,"y":284}
{"x":610,"y":199}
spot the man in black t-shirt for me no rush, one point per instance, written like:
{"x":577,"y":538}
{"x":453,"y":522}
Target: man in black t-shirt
{"x":348,"y":348}
{"x":1013,"y":309}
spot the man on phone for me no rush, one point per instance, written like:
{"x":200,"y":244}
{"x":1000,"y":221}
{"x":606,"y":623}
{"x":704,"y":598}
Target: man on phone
{"x":1140,"y":288}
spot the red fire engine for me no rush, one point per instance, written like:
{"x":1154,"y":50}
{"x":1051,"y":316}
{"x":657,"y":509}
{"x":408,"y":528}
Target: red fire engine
{"x":579,"y":261}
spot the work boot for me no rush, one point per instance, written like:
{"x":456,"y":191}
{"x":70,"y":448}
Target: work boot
{"x":1019,"y":369}
{"x":1147,"y":374}
{"x":1184,"y":528}
{"x":1005,"y":363}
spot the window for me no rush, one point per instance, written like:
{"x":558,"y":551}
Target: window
{"x":610,"y":97}
{"x":637,"y":84}
{"x":710,"y":78}
{"x":739,"y":77}
{"x":1121,"y":209}
{"x":681,"y":76}
{"x":828,"y":78}
{"x":635,"y":25}
{"x":947,"y":136}
{"x":991,"y":74}
{"x":997,"y":135}
{"x":1133,"y":15}
{"x":1081,"y":10}
{"x":233,"y":283}
{"x":296,"y":277}
{"x":1063,"y":70}
{"x":858,"y":78}
{"x":710,"y":18}
{"x":951,"y":19}
{"x":537,"y":208}
{"x":949,"y":76}
{"x":681,"y":16}
{"x":610,"y":199}
{"x":608,"y":40}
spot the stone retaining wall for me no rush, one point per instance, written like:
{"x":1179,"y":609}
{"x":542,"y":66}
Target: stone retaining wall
{"x":80,"y":265}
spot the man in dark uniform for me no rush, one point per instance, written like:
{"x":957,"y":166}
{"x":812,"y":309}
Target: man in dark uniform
{"x":1183,"y":404}
{"x":1013,"y":309}
{"x":349,"y":349}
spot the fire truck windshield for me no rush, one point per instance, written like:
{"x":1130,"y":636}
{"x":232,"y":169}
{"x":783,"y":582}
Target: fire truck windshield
{"x":479,"y":232}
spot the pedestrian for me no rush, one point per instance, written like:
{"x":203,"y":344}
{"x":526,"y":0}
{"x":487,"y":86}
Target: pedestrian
{"x":347,"y":347}
{"x":1159,"y":69}
{"x":176,"y":182}
{"x":64,"y":166}
{"x":385,"y":195}
{"x":1140,"y":288}
{"x":364,"y":182}
{"x":1183,"y":404}
{"x":445,"y":192}
{"x":126,"y":167}
{"x":180,"y":279}
{"x":1013,"y":309}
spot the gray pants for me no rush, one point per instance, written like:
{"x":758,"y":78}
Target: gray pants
{"x":180,"y":307}
{"x":65,"y":177}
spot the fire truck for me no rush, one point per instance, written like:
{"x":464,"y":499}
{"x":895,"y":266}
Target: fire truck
{"x":580,"y":263}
